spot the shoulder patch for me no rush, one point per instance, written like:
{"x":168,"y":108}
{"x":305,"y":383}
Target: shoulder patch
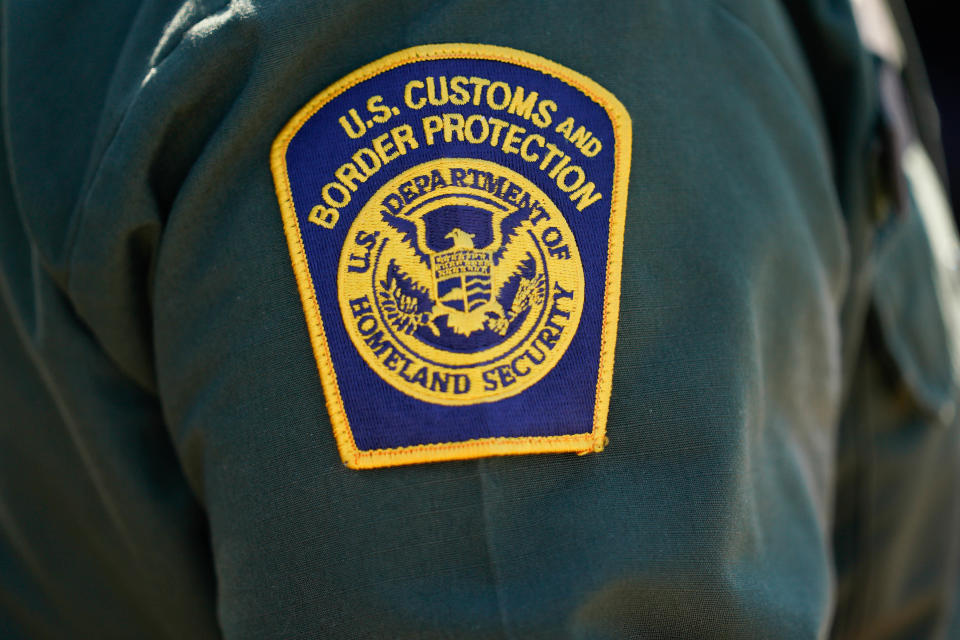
{"x":455,"y":219}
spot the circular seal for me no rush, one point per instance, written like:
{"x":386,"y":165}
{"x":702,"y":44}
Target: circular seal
{"x":460,"y":282}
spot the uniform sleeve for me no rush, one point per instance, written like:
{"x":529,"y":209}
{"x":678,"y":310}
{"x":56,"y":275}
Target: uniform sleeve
{"x":710,"y":511}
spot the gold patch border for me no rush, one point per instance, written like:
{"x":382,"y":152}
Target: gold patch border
{"x":581,"y":443}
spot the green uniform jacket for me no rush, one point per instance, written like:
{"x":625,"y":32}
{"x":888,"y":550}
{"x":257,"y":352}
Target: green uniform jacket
{"x":783,"y":439}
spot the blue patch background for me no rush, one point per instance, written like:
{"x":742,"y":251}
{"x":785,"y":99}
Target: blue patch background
{"x":381,"y":416}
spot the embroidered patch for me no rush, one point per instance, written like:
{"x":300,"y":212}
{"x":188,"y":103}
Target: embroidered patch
{"x":455,"y":216}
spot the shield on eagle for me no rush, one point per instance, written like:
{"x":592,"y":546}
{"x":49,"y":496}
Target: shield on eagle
{"x":461,"y":240}
{"x":462,"y":273}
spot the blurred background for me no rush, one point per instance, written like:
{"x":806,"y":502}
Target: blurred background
{"x":938,"y":36}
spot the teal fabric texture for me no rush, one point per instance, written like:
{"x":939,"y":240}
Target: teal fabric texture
{"x":783,"y":450}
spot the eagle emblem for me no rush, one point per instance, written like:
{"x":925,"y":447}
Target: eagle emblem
{"x":463,"y":279}
{"x":460,"y":280}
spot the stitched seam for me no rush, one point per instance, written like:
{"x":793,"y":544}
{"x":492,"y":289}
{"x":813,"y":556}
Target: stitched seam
{"x":488,"y":542}
{"x":471,"y":444}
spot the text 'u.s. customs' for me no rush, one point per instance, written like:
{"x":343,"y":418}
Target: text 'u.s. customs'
{"x":527,"y":142}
